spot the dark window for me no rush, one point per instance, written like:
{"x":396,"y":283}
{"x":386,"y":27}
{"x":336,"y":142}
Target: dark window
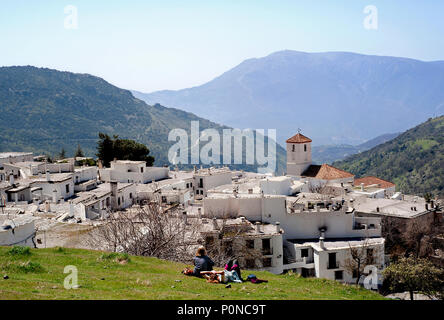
{"x":305,"y":148}
{"x":304,"y":253}
{"x":355,"y":274}
{"x":188,"y":185}
{"x":164,"y":199}
{"x":67,"y":188}
{"x":131,"y":195}
{"x":249,"y":244}
{"x":266,"y":263}
{"x":339,"y":275}
{"x":250,"y":263}
{"x":266,"y":246}
{"x":200,"y":183}
{"x":293,"y":149}
{"x":118,"y":201}
{"x":332,"y":264}
{"x":141,"y":169}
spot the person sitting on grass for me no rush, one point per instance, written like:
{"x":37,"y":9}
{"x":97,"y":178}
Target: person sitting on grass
{"x":202,"y":262}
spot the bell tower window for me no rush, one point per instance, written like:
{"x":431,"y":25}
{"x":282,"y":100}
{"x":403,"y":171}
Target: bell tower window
{"x":305,"y":148}
{"x":293,"y":148}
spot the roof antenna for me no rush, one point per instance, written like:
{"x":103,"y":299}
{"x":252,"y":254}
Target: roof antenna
{"x":299,"y":130}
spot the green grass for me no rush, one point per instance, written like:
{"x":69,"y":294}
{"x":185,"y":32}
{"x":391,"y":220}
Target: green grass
{"x":104,"y":276}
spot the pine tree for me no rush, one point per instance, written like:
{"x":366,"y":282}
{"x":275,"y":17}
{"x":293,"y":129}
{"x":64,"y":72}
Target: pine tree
{"x":79,"y":152}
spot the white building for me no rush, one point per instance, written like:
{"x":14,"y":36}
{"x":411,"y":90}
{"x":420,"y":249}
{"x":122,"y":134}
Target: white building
{"x":19,"y":230}
{"x":56,"y":186}
{"x":206,"y":179}
{"x":373,"y":187}
{"x":97,"y":203}
{"x":132,"y":172}
{"x":12,"y":157}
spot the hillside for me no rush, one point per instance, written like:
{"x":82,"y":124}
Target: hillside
{"x":331,"y":153}
{"x":414,"y":160}
{"x":44,"y":110}
{"x":40,"y":276}
{"x":327,"y":95}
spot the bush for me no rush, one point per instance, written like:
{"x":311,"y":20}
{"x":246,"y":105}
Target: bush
{"x":29,"y":266}
{"x":116,"y":256}
{"x":19,"y":251}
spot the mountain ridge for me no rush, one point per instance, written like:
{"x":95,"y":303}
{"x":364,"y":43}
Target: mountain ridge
{"x":326,"y":94}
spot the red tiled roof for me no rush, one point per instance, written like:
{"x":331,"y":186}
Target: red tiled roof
{"x":374,"y":180}
{"x":326,"y":172}
{"x":298,"y":138}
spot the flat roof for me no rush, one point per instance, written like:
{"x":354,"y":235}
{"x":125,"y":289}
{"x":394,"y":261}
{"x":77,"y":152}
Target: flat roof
{"x":13,"y":154}
{"x":391,"y":207}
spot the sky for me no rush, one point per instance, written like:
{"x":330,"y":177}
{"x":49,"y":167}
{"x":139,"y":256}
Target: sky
{"x":156,"y":45}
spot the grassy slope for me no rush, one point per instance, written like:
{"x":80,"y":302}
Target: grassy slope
{"x":414,"y":160}
{"x":148,"y":278}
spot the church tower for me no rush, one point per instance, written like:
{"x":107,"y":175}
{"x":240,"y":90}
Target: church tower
{"x":298,"y":154}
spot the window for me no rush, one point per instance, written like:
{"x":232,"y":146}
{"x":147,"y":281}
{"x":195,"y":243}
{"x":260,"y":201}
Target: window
{"x":188,"y":185}
{"x":131,"y":195}
{"x":266,"y":263}
{"x":249,"y":244}
{"x":339,"y":275}
{"x":200,"y":183}
{"x":141,"y":169}
{"x":332,"y":264}
{"x":304,"y":253}
{"x":67,"y":188}
{"x":305,"y":148}
{"x":293,"y":148}
{"x":118,"y":201}
{"x":266,"y":246}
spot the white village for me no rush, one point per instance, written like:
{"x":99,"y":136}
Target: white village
{"x":316,"y":220}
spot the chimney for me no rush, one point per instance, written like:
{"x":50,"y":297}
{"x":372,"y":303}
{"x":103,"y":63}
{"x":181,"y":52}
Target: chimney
{"x":258,"y":227}
{"x":54,"y":196}
{"x":278,"y":227}
{"x":11,"y":179}
{"x":215,"y":226}
{"x":362,"y":186}
{"x":321,"y":240}
{"x":48,"y":178}
{"x":113,"y":187}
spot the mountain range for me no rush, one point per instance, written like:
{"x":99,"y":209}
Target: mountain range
{"x":44,"y":110}
{"x":331,"y":153}
{"x":334,"y":97}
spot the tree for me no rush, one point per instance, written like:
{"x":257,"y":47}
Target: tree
{"x":62,"y":154}
{"x":415,"y":275}
{"x":361,"y":257}
{"x":122,"y":149}
{"x":79,"y":152}
{"x":148,"y":230}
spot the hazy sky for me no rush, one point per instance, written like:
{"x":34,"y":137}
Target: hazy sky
{"x":153,"y":45}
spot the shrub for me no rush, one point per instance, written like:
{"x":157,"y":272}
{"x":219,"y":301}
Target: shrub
{"x":19,"y":251}
{"x":28,"y":267}
{"x":116,"y":256}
